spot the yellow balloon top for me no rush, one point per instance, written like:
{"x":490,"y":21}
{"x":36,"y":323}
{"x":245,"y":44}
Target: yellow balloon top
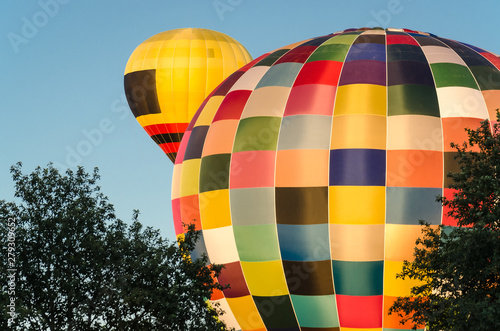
{"x":168,"y":76}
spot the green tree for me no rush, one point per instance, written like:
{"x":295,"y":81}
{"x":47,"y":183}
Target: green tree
{"x":459,"y":267}
{"x":74,"y":266}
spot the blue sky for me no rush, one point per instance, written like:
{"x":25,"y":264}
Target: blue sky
{"x":62,"y":64}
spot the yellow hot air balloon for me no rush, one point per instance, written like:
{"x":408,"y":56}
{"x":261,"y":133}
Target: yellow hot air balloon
{"x":168,"y":76}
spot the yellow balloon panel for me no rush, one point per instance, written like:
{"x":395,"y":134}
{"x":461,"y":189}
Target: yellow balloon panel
{"x":216,"y":214}
{"x":246,"y":313}
{"x":373,"y":100}
{"x":211,"y":107}
{"x":346,"y":131}
{"x":345,"y":201}
{"x":265,"y":279}
{"x":397,"y":287}
{"x":190,"y":178}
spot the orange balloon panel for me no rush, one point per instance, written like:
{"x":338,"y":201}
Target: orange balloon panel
{"x":170,"y":74}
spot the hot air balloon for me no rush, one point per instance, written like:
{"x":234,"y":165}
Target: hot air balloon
{"x":308,"y":170}
{"x":169,"y":75}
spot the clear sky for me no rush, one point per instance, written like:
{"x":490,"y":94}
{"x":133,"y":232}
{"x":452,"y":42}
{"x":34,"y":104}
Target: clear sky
{"x":62,"y":64}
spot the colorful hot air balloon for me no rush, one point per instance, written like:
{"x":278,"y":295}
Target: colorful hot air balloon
{"x":169,"y":75}
{"x":308,"y":170}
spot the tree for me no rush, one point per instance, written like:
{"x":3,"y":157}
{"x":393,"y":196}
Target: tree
{"x":72,"y":265}
{"x":459,"y":267}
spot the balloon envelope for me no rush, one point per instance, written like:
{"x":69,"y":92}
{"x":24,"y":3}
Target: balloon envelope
{"x":308,"y":170}
{"x":169,"y":75}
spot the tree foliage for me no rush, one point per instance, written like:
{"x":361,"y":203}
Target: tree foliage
{"x":459,"y":267}
{"x":74,"y":266}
